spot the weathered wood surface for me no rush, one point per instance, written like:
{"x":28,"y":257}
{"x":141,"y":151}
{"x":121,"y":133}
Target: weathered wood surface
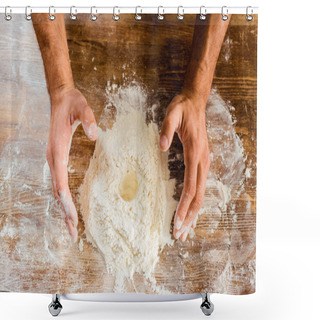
{"x":155,"y":54}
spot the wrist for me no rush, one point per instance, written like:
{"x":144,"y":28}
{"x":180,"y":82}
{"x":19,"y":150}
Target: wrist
{"x":198,"y":80}
{"x":198,"y":97}
{"x":59,"y":91}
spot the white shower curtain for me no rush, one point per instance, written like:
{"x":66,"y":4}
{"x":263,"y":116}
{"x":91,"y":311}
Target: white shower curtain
{"x":114,"y":131}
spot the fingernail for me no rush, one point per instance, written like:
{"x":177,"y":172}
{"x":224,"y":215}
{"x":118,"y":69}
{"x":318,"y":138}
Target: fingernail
{"x":92,"y":131}
{"x":178,"y":223}
{"x":180,"y":231}
{"x":184,"y":236}
{"x":75,"y":236}
{"x":163,"y":142}
{"x":185,"y":233}
{"x":73,"y":231}
{"x":178,"y":234}
{"x":194,"y":223}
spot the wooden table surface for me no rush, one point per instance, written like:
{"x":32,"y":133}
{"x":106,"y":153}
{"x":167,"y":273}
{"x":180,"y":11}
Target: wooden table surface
{"x":155,"y":54}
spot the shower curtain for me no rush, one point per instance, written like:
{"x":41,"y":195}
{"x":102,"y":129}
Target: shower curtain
{"x":162,"y":144}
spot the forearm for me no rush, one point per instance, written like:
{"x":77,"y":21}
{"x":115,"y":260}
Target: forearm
{"x":207,"y":41}
{"x":51,"y":36}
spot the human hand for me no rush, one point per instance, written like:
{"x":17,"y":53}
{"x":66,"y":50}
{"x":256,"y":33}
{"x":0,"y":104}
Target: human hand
{"x":186,"y":115}
{"x":68,"y":109}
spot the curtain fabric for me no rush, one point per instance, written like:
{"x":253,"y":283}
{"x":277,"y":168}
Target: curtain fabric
{"x":125,"y":189}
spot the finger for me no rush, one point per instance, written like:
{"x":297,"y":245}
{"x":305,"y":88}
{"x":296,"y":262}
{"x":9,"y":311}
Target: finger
{"x":58,"y":155}
{"x":85,"y":114}
{"x":67,"y":209}
{"x":70,"y":224}
{"x":59,"y":174}
{"x":70,"y":213}
{"x":64,"y":195}
{"x":183,"y":237}
{"x":195,"y":206}
{"x":169,"y":125}
{"x":68,"y":205}
{"x":196,"y":202}
{"x":194,"y":223}
{"x":73,"y":231}
{"x":188,"y":192}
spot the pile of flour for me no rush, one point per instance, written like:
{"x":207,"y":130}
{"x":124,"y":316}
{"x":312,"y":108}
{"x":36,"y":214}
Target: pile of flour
{"x":126,"y":198}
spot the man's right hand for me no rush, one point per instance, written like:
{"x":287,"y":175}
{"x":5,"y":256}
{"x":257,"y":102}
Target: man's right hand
{"x":68,"y":108}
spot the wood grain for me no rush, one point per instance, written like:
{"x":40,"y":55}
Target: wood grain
{"x":155,"y":54}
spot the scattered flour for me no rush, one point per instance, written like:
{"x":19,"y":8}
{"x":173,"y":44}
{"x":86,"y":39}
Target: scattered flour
{"x":127,"y":170}
{"x":248,"y":173}
{"x":226,"y":49}
{"x":185,"y":255}
{"x":70,"y":168}
{"x":81,"y":244}
{"x":224,"y":183}
{"x":225,"y":193}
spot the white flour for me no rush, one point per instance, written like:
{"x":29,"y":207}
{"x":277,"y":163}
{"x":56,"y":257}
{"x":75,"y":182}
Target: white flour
{"x":127,"y":195}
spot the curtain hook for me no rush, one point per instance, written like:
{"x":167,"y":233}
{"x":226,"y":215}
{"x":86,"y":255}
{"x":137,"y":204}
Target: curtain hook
{"x":73,"y":15}
{"x":180,"y":13}
{"x":28,"y":13}
{"x":93,"y":17}
{"x":249,"y":17}
{"x":203,"y":13}
{"x":52,"y":16}
{"x":224,"y":13}
{"x":138,"y":16}
{"x":7,"y":15}
{"x":116,"y":16}
{"x":160,"y":15}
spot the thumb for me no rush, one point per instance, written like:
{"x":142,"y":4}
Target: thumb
{"x":88,"y":121}
{"x":169,"y":126}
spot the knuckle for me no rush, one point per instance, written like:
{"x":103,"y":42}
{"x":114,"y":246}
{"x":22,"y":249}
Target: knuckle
{"x":198,"y":203}
{"x":191,"y":190}
{"x":191,"y":154}
{"x":81,"y":99}
{"x":206,"y":160}
{"x":168,"y":121}
{"x":169,"y":109}
{"x":86,"y":110}
{"x":192,"y":146}
{"x":191,"y":214}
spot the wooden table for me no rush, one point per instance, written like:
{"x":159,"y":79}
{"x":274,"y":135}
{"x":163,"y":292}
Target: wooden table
{"x":156,"y":54}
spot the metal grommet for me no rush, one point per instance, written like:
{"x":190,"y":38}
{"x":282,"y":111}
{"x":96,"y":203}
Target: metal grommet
{"x":180,"y":13}
{"x":93,"y":17}
{"x":7,"y":14}
{"x":52,"y":16}
{"x":138,"y":16}
{"x":116,"y":16}
{"x":28,"y":13}
{"x":249,"y":17}
{"x":203,"y":13}
{"x":160,"y":15}
{"x":224,"y":13}
{"x":73,"y":16}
